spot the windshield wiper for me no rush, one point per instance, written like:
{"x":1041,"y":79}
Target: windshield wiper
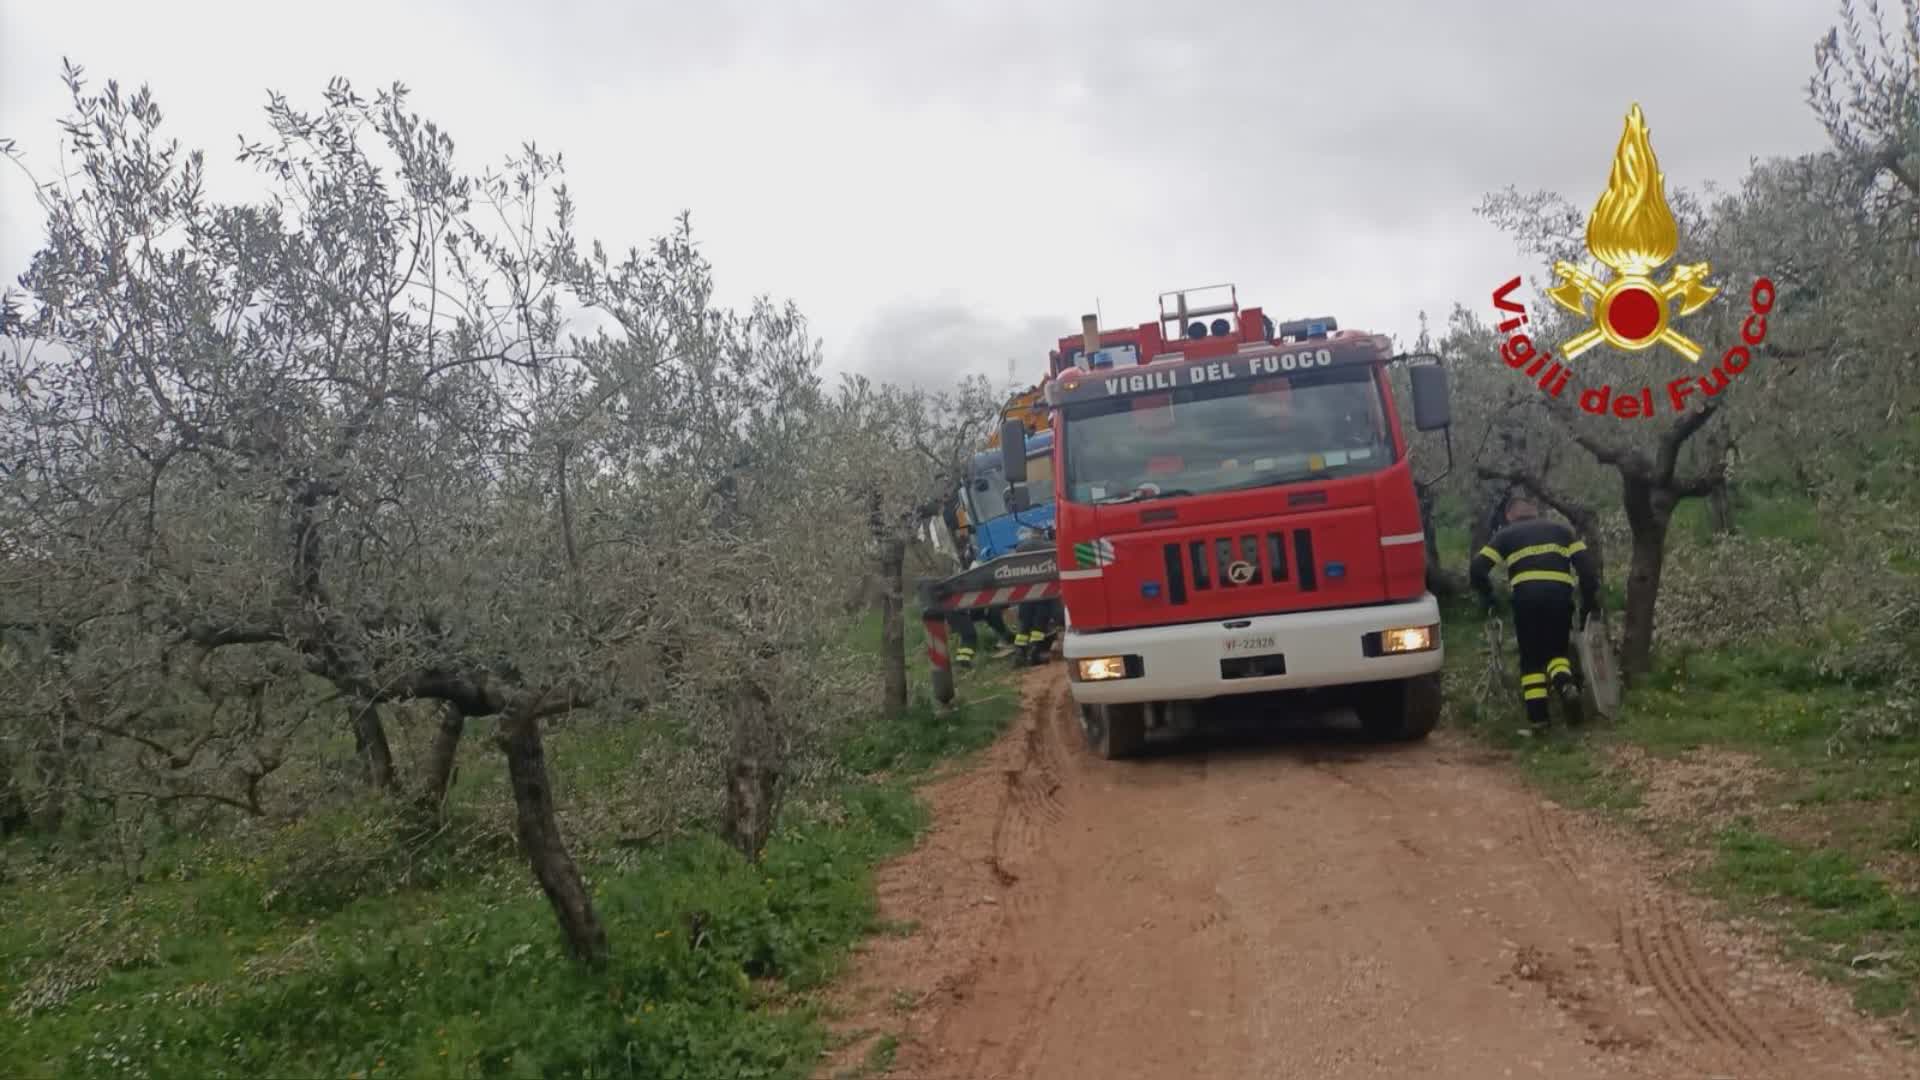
{"x":1272,"y":481}
{"x":1136,"y":496}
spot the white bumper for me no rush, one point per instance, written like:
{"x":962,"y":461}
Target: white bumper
{"x":1321,"y":648}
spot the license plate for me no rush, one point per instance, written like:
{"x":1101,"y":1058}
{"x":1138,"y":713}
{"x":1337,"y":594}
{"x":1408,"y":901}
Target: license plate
{"x":1250,"y":644}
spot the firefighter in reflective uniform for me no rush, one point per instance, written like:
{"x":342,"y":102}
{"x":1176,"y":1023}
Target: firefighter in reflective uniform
{"x":1545,"y":561}
{"x":1031,"y":642}
{"x":963,"y":625}
{"x":960,"y":623}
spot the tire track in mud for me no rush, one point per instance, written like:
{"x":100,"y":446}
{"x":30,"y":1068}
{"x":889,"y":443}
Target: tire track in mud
{"x":1032,"y":798}
{"x":1659,"y":953}
{"x":1029,"y":1045}
{"x":1034,"y":802}
{"x":1655,"y":950}
{"x":1330,"y":768}
{"x":1548,"y":841}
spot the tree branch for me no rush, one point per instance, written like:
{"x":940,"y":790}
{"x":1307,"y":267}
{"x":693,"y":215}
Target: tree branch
{"x":1701,"y":485}
{"x":209,"y":635}
{"x":1627,"y":460}
{"x":173,"y":759}
{"x":1553,"y":497}
{"x":575,"y":579}
{"x":1675,"y":437}
{"x":1889,"y":160}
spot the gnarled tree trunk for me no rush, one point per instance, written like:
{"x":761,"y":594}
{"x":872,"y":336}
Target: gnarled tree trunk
{"x":1720,"y":509}
{"x":1650,"y":489}
{"x":370,"y":744}
{"x":442,"y":754}
{"x":1649,"y":513}
{"x":893,"y":628}
{"x":1720,"y":495}
{"x":539,"y":834}
{"x":14,"y":814}
{"x":752,"y":804}
{"x":55,"y":759}
{"x":753,"y":772}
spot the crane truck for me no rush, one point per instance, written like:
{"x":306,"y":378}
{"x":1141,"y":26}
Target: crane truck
{"x":1235,"y":513}
{"x":981,"y":529}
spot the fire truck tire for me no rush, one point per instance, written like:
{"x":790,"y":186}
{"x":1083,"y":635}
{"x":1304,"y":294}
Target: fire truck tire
{"x":1404,"y":710}
{"x":1114,"y":731}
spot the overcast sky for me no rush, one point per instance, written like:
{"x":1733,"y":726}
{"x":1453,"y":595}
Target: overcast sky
{"x":946,"y":186}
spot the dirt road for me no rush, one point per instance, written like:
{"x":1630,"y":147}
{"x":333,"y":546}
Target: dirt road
{"x":1301,"y":907}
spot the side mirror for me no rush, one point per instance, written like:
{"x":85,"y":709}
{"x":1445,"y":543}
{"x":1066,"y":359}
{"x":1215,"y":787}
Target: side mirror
{"x":1013,"y":451}
{"x":1017,"y":499}
{"x":1432,"y":406}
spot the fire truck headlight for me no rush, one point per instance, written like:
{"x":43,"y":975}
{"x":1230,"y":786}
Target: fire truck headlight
{"x":1097,"y":668}
{"x":1406,"y":639}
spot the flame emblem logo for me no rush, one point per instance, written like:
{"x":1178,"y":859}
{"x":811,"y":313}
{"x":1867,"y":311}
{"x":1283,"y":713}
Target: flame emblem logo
{"x":1632,"y":230}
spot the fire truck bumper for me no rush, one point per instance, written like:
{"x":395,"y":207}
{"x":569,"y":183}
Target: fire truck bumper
{"x":1294,"y":651}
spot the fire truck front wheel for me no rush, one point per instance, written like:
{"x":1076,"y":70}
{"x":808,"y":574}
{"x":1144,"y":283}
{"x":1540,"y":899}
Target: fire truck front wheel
{"x":1403,"y":710}
{"x":1114,"y":731}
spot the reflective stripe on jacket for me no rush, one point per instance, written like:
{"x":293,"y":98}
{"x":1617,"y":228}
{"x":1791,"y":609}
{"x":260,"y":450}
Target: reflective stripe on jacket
{"x":1536,"y":550}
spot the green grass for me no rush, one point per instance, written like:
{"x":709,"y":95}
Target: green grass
{"x":1798,"y":521}
{"x":880,"y":1055}
{"x":357,"y":942}
{"x":469,"y":980}
{"x":1849,"y":923}
{"x":913,"y":748}
{"x":989,"y":696}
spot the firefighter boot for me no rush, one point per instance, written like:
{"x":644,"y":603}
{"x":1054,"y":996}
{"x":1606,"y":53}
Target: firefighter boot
{"x":1565,"y":686}
{"x":1567,"y":689}
{"x":1039,"y":649}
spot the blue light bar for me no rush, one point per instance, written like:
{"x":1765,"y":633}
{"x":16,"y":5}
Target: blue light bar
{"x":1305,"y":329}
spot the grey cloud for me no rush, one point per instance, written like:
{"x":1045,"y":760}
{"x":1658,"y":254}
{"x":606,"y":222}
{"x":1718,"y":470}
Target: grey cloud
{"x":934,"y":345}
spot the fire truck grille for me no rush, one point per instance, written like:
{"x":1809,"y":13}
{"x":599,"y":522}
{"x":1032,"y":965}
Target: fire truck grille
{"x":1238,"y":562}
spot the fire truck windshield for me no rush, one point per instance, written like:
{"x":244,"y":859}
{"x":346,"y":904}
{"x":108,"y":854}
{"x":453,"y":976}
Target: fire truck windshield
{"x":1227,"y":435}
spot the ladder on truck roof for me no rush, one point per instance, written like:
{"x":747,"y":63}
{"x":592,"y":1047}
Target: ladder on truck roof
{"x":1182,"y":312}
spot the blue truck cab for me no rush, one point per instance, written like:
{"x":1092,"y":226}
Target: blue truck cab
{"x":995,"y":528}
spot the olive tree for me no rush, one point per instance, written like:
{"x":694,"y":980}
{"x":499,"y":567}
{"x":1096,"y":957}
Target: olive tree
{"x":344,"y":448}
{"x":907,"y":450}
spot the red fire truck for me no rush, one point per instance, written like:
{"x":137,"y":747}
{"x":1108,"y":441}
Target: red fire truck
{"x":1236,"y":513}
